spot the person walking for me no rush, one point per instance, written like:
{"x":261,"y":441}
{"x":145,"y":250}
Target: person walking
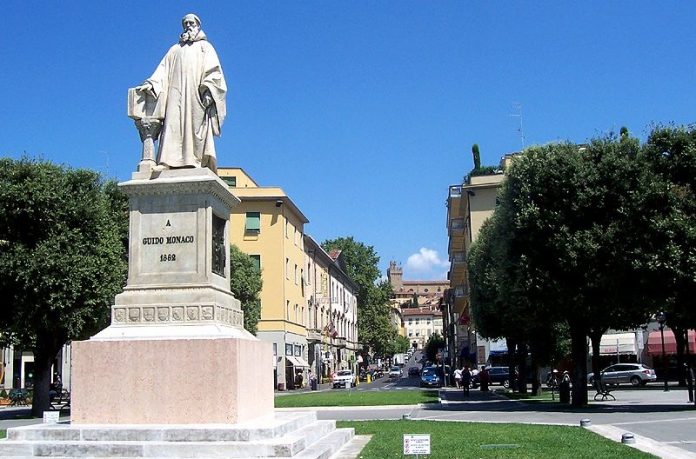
{"x":458,"y":377}
{"x":466,"y":380}
{"x":484,"y":379}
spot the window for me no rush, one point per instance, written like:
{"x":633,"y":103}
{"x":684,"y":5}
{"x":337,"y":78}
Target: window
{"x":230,"y":180}
{"x":288,"y":349}
{"x":287,"y":268}
{"x":297,"y":276}
{"x":253,"y":222}
{"x":256,"y":259}
{"x":275,"y":349}
{"x":298,"y":350}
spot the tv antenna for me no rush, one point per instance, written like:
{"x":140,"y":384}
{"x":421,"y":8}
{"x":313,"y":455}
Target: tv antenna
{"x":518,"y":114}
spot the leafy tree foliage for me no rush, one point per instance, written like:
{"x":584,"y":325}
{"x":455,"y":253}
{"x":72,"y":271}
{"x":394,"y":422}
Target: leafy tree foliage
{"x":670,"y":155}
{"x":434,"y":344}
{"x":62,"y":258}
{"x":477,"y":156}
{"x":375,"y":328}
{"x":565,"y":247}
{"x":401,"y":344}
{"x":246,"y":283}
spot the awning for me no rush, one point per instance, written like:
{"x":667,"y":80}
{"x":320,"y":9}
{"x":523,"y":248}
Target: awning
{"x":498,"y":347}
{"x":297,"y":361}
{"x":618,"y":343}
{"x":655,"y":343}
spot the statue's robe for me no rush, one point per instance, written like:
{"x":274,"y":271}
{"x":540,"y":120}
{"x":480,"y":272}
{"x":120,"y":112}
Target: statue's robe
{"x":186,"y":71}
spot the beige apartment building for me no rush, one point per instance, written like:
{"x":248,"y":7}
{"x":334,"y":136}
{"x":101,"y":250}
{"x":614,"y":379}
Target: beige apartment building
{"x":469,"y":205}
{"x":268,"y":226}
{"x":308,"y":302}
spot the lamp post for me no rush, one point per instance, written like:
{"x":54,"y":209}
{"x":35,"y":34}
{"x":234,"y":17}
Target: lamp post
{"x":661,"y":319}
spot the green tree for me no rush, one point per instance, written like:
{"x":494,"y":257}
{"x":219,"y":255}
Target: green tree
{"x":571,"y":229}
{"x":375,"y":328}
{"x":435,"y":344}
{"x":246,"y":283}
{"x":670,"y":154}
{"x":477,"y":156}
{"x":62,"y":258}
{"x":401,"y":345}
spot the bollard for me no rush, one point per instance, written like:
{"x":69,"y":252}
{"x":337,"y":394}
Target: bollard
{"x":585,"y":422}
{"x":628,"y":438}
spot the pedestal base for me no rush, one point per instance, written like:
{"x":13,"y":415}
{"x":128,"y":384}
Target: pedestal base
{"x":171,"y":381}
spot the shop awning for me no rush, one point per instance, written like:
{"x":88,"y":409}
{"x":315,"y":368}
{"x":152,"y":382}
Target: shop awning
{"x":655,"y":343}
{"x":298,"y":362}
{"x":618,"y":343}
{"x":498,"y":347}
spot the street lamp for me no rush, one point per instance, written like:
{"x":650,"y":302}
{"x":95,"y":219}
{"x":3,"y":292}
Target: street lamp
{"x":661,"y":319}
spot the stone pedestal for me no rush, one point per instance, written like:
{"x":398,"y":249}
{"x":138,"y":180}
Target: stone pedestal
{"x":176,"y":351}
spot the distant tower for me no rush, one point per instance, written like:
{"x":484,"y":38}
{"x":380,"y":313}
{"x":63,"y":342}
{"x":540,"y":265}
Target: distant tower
{"x":395,"y":275}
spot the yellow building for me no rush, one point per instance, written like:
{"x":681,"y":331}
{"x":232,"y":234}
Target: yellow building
{"x":469,"y":205}
{"x":269,"y":227}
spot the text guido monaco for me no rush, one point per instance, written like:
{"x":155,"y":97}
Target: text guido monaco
{"x":168,"y":240}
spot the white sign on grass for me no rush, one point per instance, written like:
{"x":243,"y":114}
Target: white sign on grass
{"x":416,"y":444}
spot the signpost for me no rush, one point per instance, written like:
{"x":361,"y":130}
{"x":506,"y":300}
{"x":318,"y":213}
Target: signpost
{"x":416,"y":444}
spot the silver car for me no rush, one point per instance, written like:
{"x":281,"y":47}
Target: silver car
{"x":635,"y":373}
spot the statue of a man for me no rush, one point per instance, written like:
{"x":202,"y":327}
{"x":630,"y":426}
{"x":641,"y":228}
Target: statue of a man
{"x":189,"y":84}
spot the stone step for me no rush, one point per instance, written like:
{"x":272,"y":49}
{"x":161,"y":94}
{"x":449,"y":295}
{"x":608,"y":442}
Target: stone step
{"x":266,"y":428}
{"x":319,"y":439}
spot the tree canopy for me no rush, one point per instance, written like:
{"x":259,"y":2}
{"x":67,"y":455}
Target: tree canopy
{"x":62,"y":258}
{"x":246,"y":283}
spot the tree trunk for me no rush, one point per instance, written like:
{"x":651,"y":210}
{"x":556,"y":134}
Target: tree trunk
{"x":536,"y":382}
{"x":44,"y":355}
{"x":681,"y":342}
{"x":596,"y":337}
{"x":511,"y":357}
{"x":521,"y":380}
{"x":578,"y":343}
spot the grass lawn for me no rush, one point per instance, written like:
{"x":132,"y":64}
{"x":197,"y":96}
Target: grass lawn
{"x":478,"y":440}
{"x":3,"y":433}
{"x":343,"y":397}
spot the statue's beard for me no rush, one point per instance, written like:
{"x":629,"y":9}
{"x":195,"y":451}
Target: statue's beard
{"x":188,"y":35}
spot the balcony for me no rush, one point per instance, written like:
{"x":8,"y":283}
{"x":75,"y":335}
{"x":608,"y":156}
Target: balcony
{"x":458,"y":258}
{"x":339,"y":341}
{"x":313,"y":334}
{"x":457,"y":225}
{"x":460,"y":291}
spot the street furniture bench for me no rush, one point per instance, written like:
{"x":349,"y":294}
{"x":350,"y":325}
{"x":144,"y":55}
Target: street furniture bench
{"x":603,"y":390}
{"x":60,"y":400}
{"x":18,"y":397}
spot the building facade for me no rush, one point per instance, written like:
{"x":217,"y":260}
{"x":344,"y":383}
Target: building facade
{"x":420,"y":324}
{"x":268,"y":226}
{"x":308,"y":302}
{"x":469,"y":205}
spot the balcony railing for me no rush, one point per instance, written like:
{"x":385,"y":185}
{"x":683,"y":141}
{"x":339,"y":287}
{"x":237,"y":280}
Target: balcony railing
{"x":460,"y":291}
{"x":313,"y":334}
{"x":458,"y":258}
{"x":457,"y":225}
{"x":340,"y":341}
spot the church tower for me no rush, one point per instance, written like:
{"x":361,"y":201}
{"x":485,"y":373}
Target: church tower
{"x":395,"y":275}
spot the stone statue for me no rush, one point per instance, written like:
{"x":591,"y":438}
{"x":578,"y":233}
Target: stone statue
{"x":186,"y":91}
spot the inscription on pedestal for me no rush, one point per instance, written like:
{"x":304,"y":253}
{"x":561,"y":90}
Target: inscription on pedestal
{"x":166,"y":244}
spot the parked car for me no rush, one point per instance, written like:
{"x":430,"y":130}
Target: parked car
{"x":414,"y":371}
{"x":342,"y":378}
{"x":395,"y":372}
{"x":635,"y":373}
{"x":499,"y":375}
{"x":430,"y":377}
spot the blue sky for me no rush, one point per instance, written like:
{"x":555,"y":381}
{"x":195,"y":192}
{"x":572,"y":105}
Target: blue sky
{"x":363,"y":112}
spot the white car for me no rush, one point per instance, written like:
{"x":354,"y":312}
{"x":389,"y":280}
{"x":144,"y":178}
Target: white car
{"x":343,"y":378}
{"x":395,"y":372}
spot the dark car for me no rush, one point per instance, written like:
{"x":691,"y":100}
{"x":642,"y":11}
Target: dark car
{"x":414,"y":371}
{"x":499,"y":375}
{"x":430,"y":377}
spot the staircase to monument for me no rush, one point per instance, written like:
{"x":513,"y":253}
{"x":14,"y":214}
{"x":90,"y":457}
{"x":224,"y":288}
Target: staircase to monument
{"x":284,"y":434}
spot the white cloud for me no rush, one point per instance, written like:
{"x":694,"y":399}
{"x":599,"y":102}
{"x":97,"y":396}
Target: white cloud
{"x":425,"y":261}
